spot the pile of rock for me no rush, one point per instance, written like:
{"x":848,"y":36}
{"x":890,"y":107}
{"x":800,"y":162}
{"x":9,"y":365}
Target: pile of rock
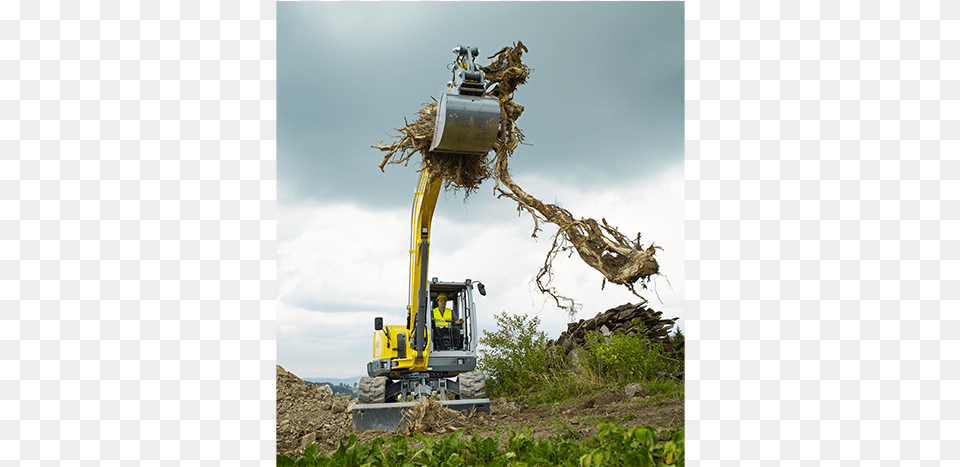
{"x":619,"y":319}
{"x":310,"y":414}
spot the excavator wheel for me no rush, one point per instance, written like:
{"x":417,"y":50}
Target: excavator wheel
{"x":372,"y":390}
{"x":473,"y":385}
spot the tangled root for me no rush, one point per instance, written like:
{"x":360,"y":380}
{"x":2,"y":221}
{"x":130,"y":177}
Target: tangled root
{"x":621,"y":260}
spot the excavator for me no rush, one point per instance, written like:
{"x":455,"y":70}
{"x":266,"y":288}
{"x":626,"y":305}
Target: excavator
{"x":421,"y":359}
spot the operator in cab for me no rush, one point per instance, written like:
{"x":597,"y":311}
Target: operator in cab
{"x":442,"y":318}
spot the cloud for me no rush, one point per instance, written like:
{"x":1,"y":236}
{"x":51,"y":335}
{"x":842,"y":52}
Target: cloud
{"x":341,"y":265}
{"x":341,"y":254}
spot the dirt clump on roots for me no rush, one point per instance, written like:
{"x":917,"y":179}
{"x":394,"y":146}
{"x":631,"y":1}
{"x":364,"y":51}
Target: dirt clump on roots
{"x":621,"y":259}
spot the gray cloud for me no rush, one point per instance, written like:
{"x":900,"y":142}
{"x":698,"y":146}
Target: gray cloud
{"x":604,"y":103}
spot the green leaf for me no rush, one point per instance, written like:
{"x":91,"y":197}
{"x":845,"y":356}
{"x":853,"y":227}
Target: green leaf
{"x":453,"y":461}
{"x":646,"y":436}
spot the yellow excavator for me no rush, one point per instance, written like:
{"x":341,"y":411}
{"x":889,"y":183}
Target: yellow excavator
{"x":421,"y":359}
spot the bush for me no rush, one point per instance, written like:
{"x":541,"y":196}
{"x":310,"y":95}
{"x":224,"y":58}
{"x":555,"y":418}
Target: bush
{"x":518,"y":356}
{"x":621,"y":359}
{"x":522,"y":363}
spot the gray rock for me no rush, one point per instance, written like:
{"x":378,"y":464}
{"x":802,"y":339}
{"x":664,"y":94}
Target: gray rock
{"x":324,"y":391}
{"x":635,"y":390}
{"x":575,"y":360}
{"x":307,"y":440}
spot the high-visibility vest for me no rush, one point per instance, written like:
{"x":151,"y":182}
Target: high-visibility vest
{"x":442,"y":318}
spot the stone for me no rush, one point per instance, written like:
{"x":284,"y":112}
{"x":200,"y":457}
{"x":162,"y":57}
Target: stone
{"x":324,"y":391}
{"x":634,"y":390}
{"x":307,"y":440}
{"x":575,"y":360}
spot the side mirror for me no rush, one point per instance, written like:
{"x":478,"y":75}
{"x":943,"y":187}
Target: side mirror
{"x":377,"y":323}
{"x":482,"y":289}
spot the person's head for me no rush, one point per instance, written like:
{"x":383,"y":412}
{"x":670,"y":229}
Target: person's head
{"x":441,"y":301}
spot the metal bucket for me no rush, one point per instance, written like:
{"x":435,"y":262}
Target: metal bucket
{"x":466,"y":124}
{"x":389,"y":416}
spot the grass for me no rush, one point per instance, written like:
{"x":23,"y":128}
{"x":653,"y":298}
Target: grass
{"x":658,"y":391}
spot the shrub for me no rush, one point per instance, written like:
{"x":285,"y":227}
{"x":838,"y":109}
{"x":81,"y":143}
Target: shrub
{"x":523,"y":363}
{"x":620,"y":359}
{"x":518,"y":355}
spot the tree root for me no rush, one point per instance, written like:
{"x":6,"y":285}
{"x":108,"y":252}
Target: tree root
{"x":619,"y":259}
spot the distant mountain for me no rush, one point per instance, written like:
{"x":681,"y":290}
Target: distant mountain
{"x":335,"y":381}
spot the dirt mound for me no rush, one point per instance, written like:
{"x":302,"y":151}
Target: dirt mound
{"x":308,"y":414}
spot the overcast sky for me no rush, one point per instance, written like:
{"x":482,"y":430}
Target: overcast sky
{"x":604,"y":120}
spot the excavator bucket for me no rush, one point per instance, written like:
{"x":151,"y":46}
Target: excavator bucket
{"x":390,"y":416}
{"x":466,"y":124}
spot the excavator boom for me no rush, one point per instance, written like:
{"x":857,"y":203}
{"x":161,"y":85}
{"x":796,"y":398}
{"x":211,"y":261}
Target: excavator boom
{"x":417,"y":359}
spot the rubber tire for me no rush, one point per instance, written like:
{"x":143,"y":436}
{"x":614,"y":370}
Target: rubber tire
{"x":473,"y":385}
{"x":372,"y":390}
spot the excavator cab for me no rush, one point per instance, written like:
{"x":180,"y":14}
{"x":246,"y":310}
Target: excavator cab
{"x":467,"y":120}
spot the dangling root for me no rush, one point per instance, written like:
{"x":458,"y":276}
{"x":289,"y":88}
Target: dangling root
{"x":621,"y":261}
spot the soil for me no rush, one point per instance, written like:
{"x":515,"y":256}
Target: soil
{"x":309,"y":414}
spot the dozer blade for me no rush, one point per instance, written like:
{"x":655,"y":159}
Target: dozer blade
{"x":389,"y":416}
{"x":466,"y":124}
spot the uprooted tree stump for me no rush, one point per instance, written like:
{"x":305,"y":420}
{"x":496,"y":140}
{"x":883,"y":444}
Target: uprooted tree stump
{"x":619,"y":259}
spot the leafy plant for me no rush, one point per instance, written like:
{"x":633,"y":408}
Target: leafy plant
{"x":621,"y":359}
{"x":517,"y":355}
{"x":635,"y":447}
{"x":613,"y":446}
